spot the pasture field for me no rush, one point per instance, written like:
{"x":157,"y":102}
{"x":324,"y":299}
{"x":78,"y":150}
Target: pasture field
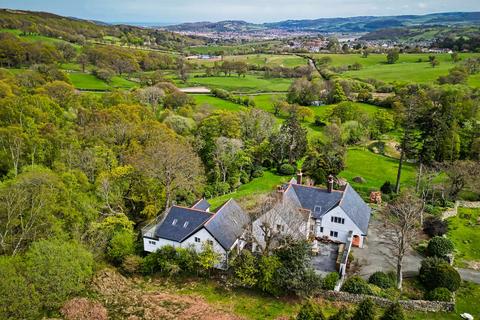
{"x":90,"y":82}
{"x":464,"y":231}
{"x":248,"y":84}
{"x":216,"y":103}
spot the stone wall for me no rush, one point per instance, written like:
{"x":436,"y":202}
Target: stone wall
{"x":417,"y":305}
{"x":459,"y":203}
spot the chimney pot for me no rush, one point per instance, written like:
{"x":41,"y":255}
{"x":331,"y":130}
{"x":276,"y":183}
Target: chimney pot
{"x":299,"y":177}
{"x":330,"y":184}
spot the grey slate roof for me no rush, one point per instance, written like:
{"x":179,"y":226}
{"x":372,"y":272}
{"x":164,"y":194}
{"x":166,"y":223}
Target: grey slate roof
{"x":201,"y":205}
{"x":356,"y":208}
{"x":317,"y":200}
{"x":187,"y":222}
{"x":228,"y":224}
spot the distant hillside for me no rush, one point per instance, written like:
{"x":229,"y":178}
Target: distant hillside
{"x":423,"y":33}
{"x":78,"y":30}
{"x":352,"y":24}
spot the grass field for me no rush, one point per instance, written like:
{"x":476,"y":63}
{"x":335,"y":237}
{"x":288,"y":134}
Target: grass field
{"x":375,"y":169}
{"x":464,"y":231}
{"x":90,"y":82}
{"x":249,"y":83}
{"x":216,"y":103}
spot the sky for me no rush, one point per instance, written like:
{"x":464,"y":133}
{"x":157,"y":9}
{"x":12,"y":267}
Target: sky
{"x":176,"y":11}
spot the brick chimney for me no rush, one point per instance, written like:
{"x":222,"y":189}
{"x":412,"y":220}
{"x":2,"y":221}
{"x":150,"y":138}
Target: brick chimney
{"x":330,"y":184}
{"x":299,"y":177}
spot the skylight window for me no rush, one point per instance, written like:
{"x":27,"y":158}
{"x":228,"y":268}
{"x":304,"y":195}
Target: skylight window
{"x":185,"y":224}
{"x":174,"y":223}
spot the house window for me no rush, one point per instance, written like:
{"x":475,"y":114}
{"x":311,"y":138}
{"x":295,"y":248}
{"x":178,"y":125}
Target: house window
{"x":334,"y":234}
{"x":152,"y":242}
{"x":280,"y":228}
{"x":197,"y":239}
{"x":185,"y":224}
{"x":312,"y":227}
{"x":174,"y":222}
{"x":338,"y":220}
{"x":321,"y":229}
{"x":210,"y":242}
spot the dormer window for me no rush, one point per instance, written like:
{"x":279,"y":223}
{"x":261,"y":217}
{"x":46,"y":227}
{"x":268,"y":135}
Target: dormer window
{"x":174,"y":223}
{"x":317,"y":209}
{"x":185,"y":224}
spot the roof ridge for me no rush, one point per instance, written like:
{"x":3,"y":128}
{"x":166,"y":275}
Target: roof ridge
{"x":189,"y":208}
{"x":218,"y":210}
{"x":314,"y":187}
{"x":344,"y":192}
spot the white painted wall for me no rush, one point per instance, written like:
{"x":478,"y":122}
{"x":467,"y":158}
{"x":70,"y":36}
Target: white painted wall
{"x":342,"y":229}
{"x":204,"y":236}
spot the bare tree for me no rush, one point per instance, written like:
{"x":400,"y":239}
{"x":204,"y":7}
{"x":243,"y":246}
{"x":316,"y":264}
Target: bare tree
{"x":275,"y":219}
{"x":152,"y":96}
{"x":462,"y":174}
{"x":403,"y":219}
{"x":173,"y":164}
{"x":26,"y":210}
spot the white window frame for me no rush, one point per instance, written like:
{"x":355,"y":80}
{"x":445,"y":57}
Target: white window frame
{"x":197,"y":239}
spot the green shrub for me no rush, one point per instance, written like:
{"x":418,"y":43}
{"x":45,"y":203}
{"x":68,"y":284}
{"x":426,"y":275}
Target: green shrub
{"x":342,"y":314}
{"x":286,"y":169}
{"x":310,"y":311}
{"x":439,"y":247}
{"x":245,"y":269}
{"x":365,"y":310}
{"x":439,"y":294}
{"x":382,"y":280}
{"x":330,"y":281}
{"x":393,"y":312}
{"x":121,"y":245}
{"x":436,"y":272}
{"x":356,"y":285}
{"x":58,"y":269}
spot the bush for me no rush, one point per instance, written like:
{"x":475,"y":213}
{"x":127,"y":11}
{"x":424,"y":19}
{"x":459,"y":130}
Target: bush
{"x":382,"y":280}
{"x":436,"y":273}
{"x":356,"y":285}
{"x":393,"y":312}
{"x":365,"y":310}
{"x":439,"y":294}
{"x":330,"y":281}
{"x":132,"y":264}
{"x":169,"y":261}
{"x":342,"y":314}
{"x":434,"y":226}
{"x":387,"y":188}
{"x":104,"y":74}
{"x":310,"y":311}
{"x":286,"y":169}
{"x":245,"y":269}
{"x":439,"y":247}
{"x":121,"y":245}
{"x":58,"y":269}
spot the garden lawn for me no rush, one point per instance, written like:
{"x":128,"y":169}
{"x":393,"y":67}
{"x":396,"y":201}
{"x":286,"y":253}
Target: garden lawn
{"x":216,"y":103}
{"x":464,"y":231}
{"x":261,"y":185}
{"x":248,"y":84}
{"x":375,"y":169}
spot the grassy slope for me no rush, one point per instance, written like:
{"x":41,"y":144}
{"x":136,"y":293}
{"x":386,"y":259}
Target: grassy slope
{"x":249,"y":83}
{"x":90,"y":82}
{"x":252,"y":305}
{"x":375,"y":169}
{"x":261,"y":185}
{"x":464,"y":231}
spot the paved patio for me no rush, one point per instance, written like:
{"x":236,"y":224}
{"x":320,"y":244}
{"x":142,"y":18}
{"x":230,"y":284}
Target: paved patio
{"x":325,"y":261}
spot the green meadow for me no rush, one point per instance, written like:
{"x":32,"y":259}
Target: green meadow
{"x":248,"y":84}
{"x":464,"y":231}
{"x":90,"y":82}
